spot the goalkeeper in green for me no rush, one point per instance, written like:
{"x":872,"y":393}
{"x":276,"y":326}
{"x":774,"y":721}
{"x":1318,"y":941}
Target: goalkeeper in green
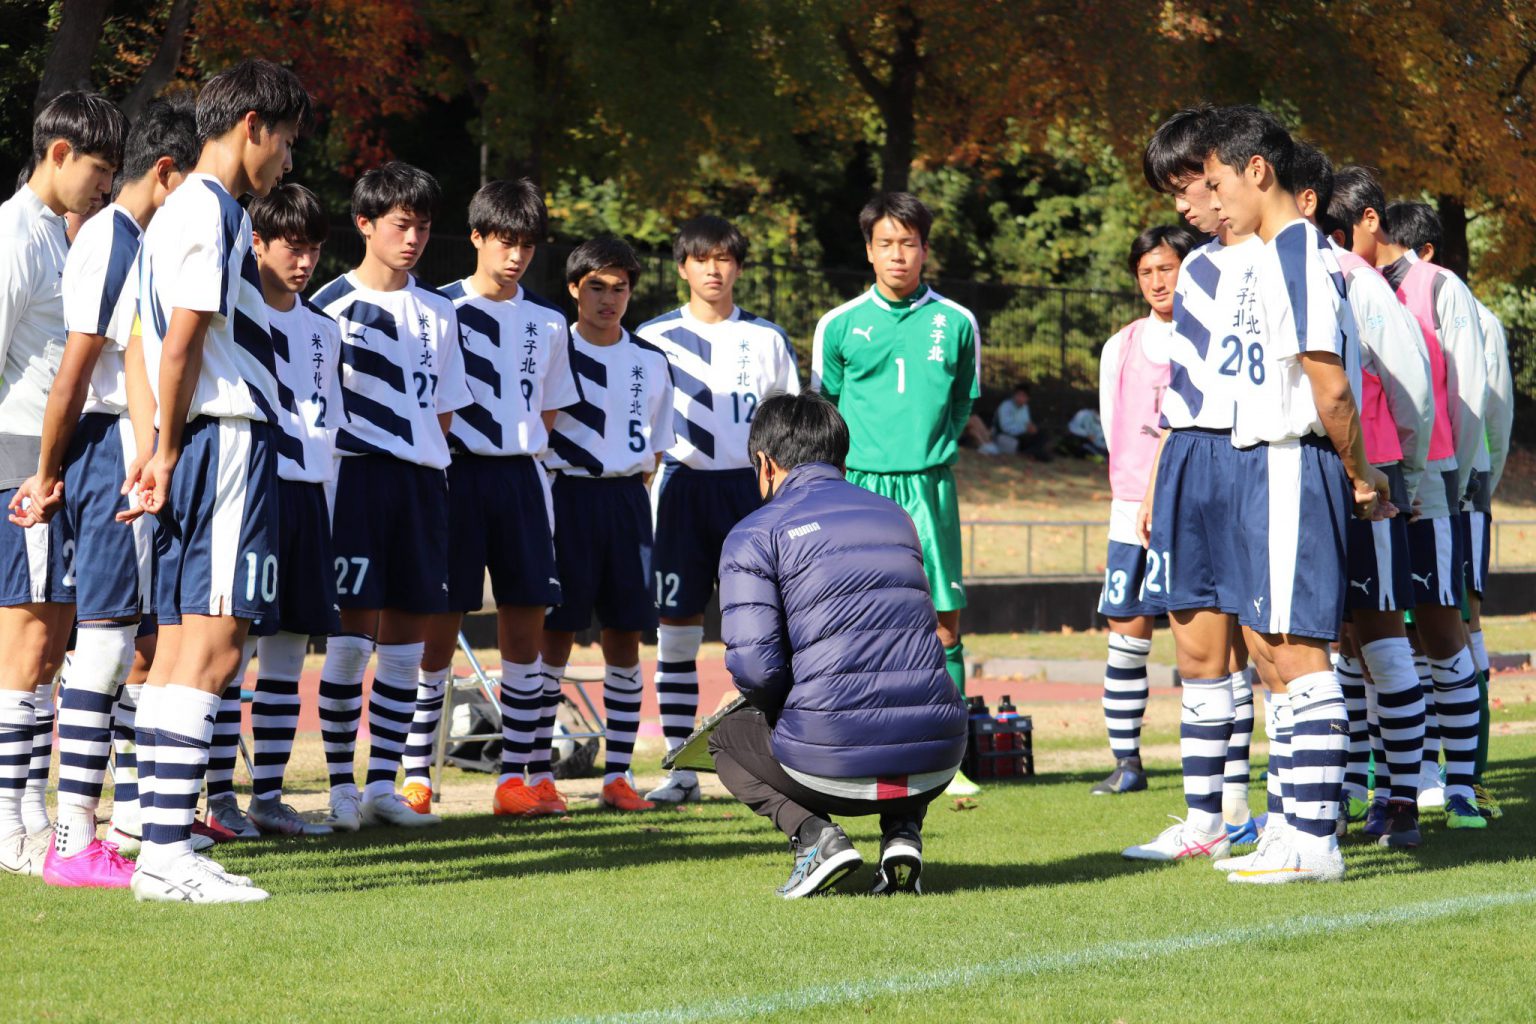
{"x":900,"y":362}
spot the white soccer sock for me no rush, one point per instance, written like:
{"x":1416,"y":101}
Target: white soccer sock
{"x":621,"y":705}
{"x":1400,"y":716}
{"x":1205,"y":726}
{"x":1457,"y":706}
{"x":1125,"y":693}
{"x":422,"y":743}
{"x":391,"y":706}
{"x":341,"y":703}
{"x":103,"y":656}
{"x":1479,"y":651}
{"x":522,"y":702}
{"x":184,"y":723}
{"x":677,"y":680}
{"x":1238,"y":770}
{"x":18,"y":719}
{"x":1319,"y":749}
{"x":275,"y":710}
{"x":539,"y":762}
{"x":34,"y":802}
{"x":125,"y":759}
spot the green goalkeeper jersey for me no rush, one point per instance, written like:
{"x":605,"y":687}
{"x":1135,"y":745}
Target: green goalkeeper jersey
{"x":903,"y":374}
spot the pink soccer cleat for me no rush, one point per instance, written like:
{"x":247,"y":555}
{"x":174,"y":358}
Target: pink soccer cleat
{"x":98,"y":866}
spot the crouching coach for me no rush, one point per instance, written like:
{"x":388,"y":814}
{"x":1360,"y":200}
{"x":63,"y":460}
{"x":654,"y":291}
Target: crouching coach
{"x":830,"y":637}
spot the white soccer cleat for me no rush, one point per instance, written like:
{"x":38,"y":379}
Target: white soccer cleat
{"x":191,"y":880}
{"x":1431,"y":789}
{"x":1285,"y":861}
{"x":389,"y":809}
{"x":126,"y":842}
{"x":346,"y":810}
{"x":1274,"y":832}
{"x":1181,"y":841}
{"x":22,"y":853}
{"x":681,"y":787}
{"x":213,"y":865}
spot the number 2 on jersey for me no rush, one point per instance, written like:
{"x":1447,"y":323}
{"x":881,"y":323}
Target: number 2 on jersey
{"x":1233,"y":364}
{"x":743,"y":402}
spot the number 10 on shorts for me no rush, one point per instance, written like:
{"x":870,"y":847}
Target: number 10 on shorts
{"x":262,"y":574}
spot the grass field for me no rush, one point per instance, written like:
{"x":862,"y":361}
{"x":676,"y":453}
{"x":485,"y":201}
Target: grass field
{"x":1030,"y":914}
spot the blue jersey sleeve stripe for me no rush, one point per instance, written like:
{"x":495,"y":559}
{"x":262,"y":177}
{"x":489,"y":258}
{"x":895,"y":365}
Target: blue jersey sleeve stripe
{"x":125,"y":247}
{"x":1292,"y":250}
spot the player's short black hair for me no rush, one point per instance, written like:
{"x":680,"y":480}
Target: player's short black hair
{"x":1022,"y":385}
{"x":273,"y":92}
{"x":705,"y":234}
{"x":512,"y":211}
{"x":902,"y":207}
{"x":88,"y":121}
{"x":795,"y":429}
{"x":1177,"y":237}
{"x":289,"y":212}
{"x":167,"y":127}
{"x":396,"y":184}
{"x":1177,"y":148}
{"x":600,"y":253}
{"x":1355,"y":190}
{"x":1413,"y":225}
{"x":1311,"y":169}
{"x":1238,"y":134}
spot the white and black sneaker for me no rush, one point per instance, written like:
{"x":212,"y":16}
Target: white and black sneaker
{"x":901,"y":862}
{"x":821,"y":864}
{"x":681,"y":787}
{"x":191,"y":880}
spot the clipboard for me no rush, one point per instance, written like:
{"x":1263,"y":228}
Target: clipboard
{"x":694,"y":753}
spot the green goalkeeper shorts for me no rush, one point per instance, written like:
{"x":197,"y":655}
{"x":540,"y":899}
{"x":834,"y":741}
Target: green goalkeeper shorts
{"x":930,"y":498}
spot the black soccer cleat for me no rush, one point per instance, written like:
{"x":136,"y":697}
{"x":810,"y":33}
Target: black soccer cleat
{"x":1127,"y":777}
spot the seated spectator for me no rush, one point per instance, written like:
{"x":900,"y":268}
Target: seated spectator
{"x":978,"y":436}
{"x":1085,"y":436}
{"x":1014,"y":430}
{"x":831,"y":637}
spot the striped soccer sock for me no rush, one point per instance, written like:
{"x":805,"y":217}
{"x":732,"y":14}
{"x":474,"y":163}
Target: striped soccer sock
{"x":341,"y":703}
{"x":1125,"y":693}
{"x":103,"y":656}
{"x":1456,"y":707}
{"x":391,"y":706}
{"x":144,"y":748}
{"x":34,"y":801}
{"x":125,"y":759}
{"x":1400,"y":715}
{"x":275,"y":711}
{"x":1236,"y":772}
{"x":226,"y":739}
{"x":1319,"y":749}
{"x":677,"y":680}
{"x":1351,"y":675}
{"x":1205,"y":726}
{"x":1285,"y":755}
{"x":1431,"y":718}
{"x":539,"y":761}
{"x":1272,"y":802}
{"x":522,"y":705}
{"x":422,"y":743}
{"x":184,"y":727}
{"x":621,"y":705}
{"x":18,"y":719}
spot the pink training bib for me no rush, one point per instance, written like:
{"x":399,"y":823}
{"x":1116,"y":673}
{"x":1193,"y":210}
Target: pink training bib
{"x":1418,"y":294}
{"x":1381,"y":442}
{"x":1138,"y":406}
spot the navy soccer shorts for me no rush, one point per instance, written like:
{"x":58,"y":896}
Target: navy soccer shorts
{"x":389,"y":527}
{"x":694,"y":512}
{"x":501,"y":519}
{"x":603,"y":547}
{"x":307,"y":567}
{"x":1193,"y":561}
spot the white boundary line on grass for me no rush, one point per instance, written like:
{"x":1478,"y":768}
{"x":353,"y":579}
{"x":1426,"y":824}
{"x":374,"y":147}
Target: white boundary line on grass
{"x":815,"y":996}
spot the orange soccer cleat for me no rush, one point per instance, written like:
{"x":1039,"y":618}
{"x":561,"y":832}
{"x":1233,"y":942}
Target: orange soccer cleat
{"x":418,"y":797}
{"x":516,"y":799}
{"x":621,"y":796}
{"x":550,"y":798}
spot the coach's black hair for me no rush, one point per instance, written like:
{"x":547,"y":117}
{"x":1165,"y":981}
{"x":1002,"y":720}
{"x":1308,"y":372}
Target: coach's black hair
{"x":395,"y":185}
{"x":1311,"y":169}
{"x":600,"y":253}
{"x":706,"y":234}
{"x":902,"y":207}
{"x":512,"y":211}
{"x":166,"y":128}
{"x":1355,"y":190}
{"x":1177,"y":237}
{"x":88,"y":121}
{"x":273,"y":92}
{"x":1177,"y":148}
{"x":795,"y":429}
{"x":1238,"y":134}
{"x":290,"y":212}
{"x":1413,"y":225}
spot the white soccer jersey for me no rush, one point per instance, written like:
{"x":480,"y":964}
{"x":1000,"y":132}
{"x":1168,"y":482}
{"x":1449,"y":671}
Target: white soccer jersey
{"x":33,"y":249}
{"x":1499,"y":412}
{"x":720,"y":372}
{"x":1297,"y":306}
{"x":1214,"y":283}
{"x":307,"y":344}
{"x":517,"y":360}
{"x":402,"y":363}
{"x":624,"y":419}
{"x":101,"y":295}
{"x":197,"y":256}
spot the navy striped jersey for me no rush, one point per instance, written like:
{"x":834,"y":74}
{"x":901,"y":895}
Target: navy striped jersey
{"x":624,"y":418}
{"x":517,"y":361}
{"x":1299,"y":307}
{"x":307,"y":344}
{"x":101,"y":296}
{"x":402,"y":364}
{"x":197,"y":256}
{"x":720,"y":372}
{"x":1210,"y":319}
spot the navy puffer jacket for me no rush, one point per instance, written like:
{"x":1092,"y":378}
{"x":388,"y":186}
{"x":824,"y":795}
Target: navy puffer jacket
{"x":830,"y":631}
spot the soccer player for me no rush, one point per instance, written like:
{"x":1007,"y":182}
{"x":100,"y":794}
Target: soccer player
{"x":724,"y":362}
{"x":288,"y":228}
{"x":212,"y":481}
{"x":602,"y":450}
{"x":518,"y":365}
{"x":77,"y":143}
{"x":1133,"y":376}
{"x":1447,"y":315}
{"x":88,"y":455}
{"x":402,"y":379}
{"x":900,"y":362}
{"x":1301,"y":463}
{"x":1397,"y":416}
{"x":1187,"y":519}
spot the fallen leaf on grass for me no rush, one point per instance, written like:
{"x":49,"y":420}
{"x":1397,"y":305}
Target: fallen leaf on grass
{"x":650,"y":828}
{"x":964,"y":803}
